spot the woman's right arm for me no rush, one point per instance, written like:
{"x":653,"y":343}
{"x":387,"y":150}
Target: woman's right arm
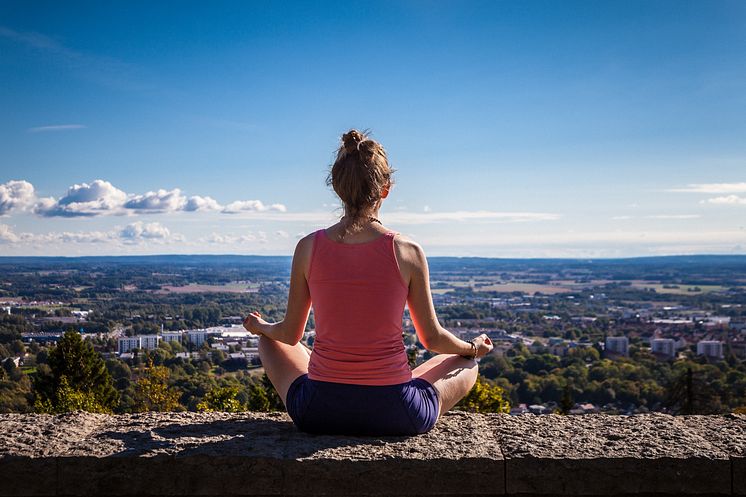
{"x":431,"y":334}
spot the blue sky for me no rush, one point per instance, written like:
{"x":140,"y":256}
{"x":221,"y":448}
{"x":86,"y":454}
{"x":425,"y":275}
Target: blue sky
{"x":518,"y":129}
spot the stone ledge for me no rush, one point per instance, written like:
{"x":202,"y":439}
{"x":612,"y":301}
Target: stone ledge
{"x":190,"y":454}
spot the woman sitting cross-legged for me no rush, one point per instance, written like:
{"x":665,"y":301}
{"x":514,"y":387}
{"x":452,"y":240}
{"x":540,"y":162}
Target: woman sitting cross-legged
{"x":358,"y":275}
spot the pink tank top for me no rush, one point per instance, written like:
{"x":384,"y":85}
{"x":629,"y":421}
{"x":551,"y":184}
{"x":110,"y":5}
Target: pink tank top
{"x":358,"y":300}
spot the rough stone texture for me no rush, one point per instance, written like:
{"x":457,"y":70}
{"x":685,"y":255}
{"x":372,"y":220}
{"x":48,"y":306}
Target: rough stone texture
{"x":159,"y":454}
{"x":603,"y":455}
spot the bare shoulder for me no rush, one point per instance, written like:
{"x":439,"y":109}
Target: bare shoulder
{"x":304,"y":252}
{"x":408,"y":250}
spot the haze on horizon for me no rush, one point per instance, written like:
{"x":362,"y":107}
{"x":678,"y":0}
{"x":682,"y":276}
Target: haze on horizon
{"x":518,"y":129}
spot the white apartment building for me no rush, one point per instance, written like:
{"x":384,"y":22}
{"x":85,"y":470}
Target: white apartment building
{"x":197,"y":337}
{"x":149,"y":342}
{"x":617,"y":345}
{"x":710,"y":348}
{"x":171,"y":336}
{"x":664,"y":346}
{"x":128,"y":343}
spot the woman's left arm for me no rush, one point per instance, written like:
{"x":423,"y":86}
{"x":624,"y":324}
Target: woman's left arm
{"x":289,"y":330}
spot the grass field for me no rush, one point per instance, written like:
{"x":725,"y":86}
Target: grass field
{"x":196,"y":288}
{"x":528,"y":288}
{"x":682,"y":289}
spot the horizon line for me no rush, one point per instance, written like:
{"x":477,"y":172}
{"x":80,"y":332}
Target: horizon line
{"x":2,"y":257}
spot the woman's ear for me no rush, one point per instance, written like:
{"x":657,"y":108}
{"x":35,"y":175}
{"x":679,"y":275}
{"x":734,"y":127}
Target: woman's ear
{"x":386,"y":189}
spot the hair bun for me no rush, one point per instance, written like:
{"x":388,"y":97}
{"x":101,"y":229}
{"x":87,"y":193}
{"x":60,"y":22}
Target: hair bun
{"x":351,"y":140}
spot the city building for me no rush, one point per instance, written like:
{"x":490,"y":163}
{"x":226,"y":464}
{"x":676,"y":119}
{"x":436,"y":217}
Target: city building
{"x":128,"y":343}
{"x":617,"y":345}
{"x":149,"y":342}
{"x":664,"y":347}
{"x":710,"y":348}
{"x":197,"y":337}
{"x":171,"y":336}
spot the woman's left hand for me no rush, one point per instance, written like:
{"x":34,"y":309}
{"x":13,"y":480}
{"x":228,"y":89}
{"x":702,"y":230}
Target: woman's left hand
{"x":254,"y":323}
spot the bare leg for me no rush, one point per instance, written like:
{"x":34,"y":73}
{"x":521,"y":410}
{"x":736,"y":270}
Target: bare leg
{"x":283,"y":363}
{"x":451,"y":375}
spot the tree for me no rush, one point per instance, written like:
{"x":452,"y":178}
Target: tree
{"x":484,"y":397}
{"x":67,"y":399}
{"x":76,"y":372}
{"x":567,"y":402}
{"x":258,"y":398}
{"x":152,"y":392}
{"x":689,"y":393}
{"x":264,"y":397}
{"x":222,"y":399}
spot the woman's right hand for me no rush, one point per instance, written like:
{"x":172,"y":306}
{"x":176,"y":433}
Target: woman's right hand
{"x":484,"y":345}
{"x":254,"y":323}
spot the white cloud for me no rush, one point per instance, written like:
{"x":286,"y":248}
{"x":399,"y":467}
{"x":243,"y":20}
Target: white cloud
{"x":55,"y":127}
{"x":7,"y":235}
{"x":673,"y":216}
{"x":134,"y":233}
{"x":98,"y":198}
{"x":282,"y":234}
{"x":252,"y":206}
{"x":711,"y":188}
{"x":158,"y":201}
{"x":16,"y":194}
{"x":197,"y":203}
{"x":726,"y":200}
{"x":463,"y":216}
{"x":593,"y":237}
{"x":218,"y":239}
{"x":139,"y":231}
{"x":84,"y":237}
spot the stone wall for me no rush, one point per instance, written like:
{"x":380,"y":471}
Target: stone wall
{"x":159,"y":454}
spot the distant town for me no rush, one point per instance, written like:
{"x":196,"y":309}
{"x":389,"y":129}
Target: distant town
{"x":574,"y":336}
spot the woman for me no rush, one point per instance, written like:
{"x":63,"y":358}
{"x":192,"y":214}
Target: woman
{"x":358,"y":276}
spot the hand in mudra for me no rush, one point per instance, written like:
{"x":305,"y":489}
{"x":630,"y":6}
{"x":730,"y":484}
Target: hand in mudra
{"x":484,"y":345}
{"x":253,"y":323}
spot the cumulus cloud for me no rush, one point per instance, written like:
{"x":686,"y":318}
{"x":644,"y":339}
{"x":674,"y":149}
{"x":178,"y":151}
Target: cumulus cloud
{"x":139,"y":231}
{"x":98,"y":198}
{"x":134,"y":233}
{"x":7,"y":235}
{"x":197,"y":203}
{"x":726,"y":200}
{"x":158,"y":201}
{"x":711,"y":188}
{"x":16,"y":194}
{"x":252,"y":206}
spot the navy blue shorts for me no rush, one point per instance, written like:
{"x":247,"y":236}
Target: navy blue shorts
{"x":344,"y":409}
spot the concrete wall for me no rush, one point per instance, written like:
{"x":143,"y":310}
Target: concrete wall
{"x":159,"y":454}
